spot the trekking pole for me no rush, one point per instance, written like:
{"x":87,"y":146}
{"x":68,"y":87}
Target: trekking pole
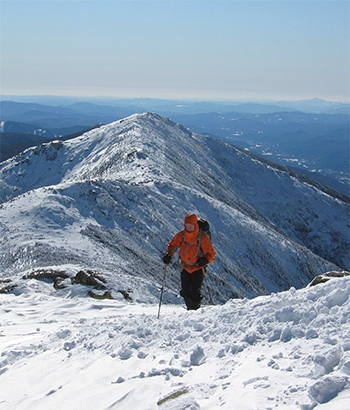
{"x":161,"y":291}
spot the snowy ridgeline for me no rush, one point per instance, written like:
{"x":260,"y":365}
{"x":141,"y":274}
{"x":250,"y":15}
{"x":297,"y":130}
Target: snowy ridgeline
{"x":110,"y":200}
{"x":289,"y":350}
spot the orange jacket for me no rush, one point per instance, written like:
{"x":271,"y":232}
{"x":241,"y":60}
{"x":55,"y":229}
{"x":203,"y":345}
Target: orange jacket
{"x":189,"y":250}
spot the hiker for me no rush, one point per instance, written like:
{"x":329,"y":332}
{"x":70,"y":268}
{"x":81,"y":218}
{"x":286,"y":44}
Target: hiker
{"x":196,"y":252}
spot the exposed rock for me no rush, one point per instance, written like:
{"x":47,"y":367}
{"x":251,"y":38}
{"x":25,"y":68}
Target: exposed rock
{"x":59,"y":283}
{"x":106,"y":295}
{"x":328,"y":276}
{"x":126,"y":294}
{"x":48,"y":274}
{"x":58,"y":278}
{"x":90,"y":279}
{"x":6,"y":286}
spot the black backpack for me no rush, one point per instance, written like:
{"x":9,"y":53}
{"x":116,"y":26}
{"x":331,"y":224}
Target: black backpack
{"x":204,"y":227}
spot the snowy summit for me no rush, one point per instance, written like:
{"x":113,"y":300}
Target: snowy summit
{"x":90,"y":218}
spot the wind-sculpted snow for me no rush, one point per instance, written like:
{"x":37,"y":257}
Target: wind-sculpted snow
{"x":111,"y":199}
{"x":289,"y":350}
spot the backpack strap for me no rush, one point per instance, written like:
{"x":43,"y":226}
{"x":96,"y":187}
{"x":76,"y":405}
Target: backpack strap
{"x":199,"y":242}
{"x":199,"y":239}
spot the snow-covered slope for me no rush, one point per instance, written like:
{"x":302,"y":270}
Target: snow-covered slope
{"x":111,"y":199}
{"x":290,"y":350}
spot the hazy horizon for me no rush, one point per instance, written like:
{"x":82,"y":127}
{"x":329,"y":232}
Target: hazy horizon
{"x":101,"y":98}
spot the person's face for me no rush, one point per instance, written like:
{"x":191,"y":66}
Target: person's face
{"x":190,"y":227}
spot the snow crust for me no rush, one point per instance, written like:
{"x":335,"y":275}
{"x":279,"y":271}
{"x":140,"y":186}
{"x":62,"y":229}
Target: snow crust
{"x":289,"y":350}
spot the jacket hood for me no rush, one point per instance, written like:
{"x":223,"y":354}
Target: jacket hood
{"x":191,"y":236}
{"x":191,"y":219}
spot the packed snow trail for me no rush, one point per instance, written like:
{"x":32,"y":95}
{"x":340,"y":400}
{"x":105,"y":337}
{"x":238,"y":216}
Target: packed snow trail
{"x":288,"y":350}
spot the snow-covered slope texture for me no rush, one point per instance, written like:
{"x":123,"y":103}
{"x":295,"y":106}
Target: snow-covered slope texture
{"x":296,"y":204}
{"x":112,"y":198}
{"x":289,"y":351}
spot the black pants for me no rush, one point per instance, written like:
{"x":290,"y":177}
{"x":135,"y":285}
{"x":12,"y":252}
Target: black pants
{"x":191,"y":284}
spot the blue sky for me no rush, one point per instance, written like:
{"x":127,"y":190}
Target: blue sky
{"x":193,"y":49}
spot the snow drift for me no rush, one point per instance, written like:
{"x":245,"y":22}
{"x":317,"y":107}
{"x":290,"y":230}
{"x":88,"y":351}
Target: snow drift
{"x":289,"y":350}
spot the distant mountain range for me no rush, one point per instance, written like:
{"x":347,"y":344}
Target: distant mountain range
{"x":110,"y":200}
{"x":170,"y":107}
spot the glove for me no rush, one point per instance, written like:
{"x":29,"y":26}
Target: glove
{"x":202,"y":261}
{"x":166,"y":259}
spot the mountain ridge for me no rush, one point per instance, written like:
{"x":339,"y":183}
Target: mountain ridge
{"x":111,"y":199}
{"x":286,"y":137}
